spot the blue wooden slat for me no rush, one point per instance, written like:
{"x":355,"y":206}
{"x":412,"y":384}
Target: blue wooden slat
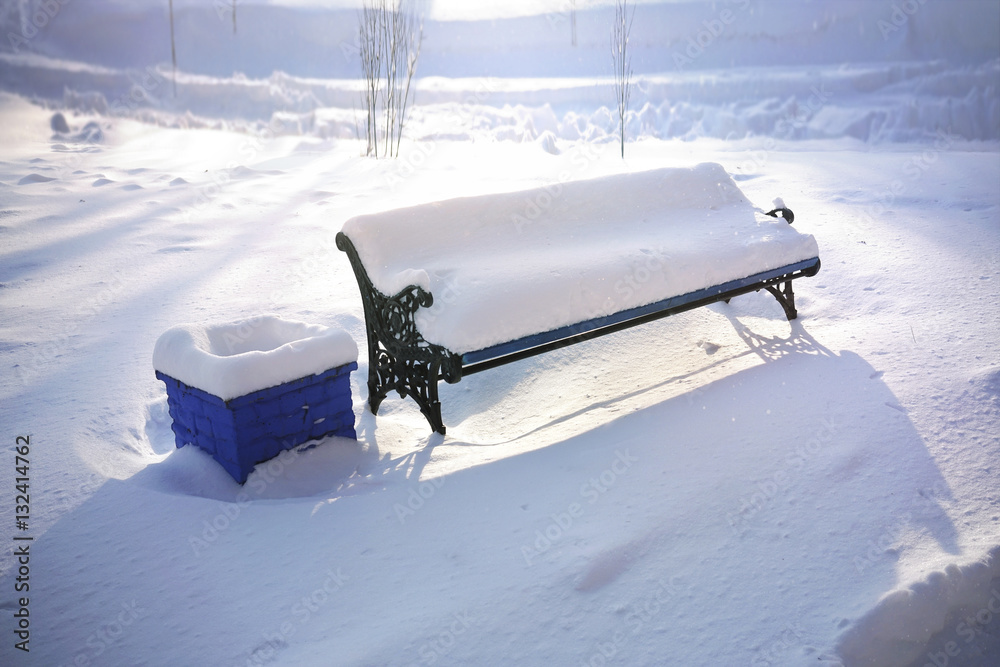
{"x":543,"y":338}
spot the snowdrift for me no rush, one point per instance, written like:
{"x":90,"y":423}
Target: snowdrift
{"x":856,"y":68}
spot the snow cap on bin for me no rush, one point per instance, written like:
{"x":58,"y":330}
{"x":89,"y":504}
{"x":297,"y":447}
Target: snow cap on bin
{"x":237,"y":358}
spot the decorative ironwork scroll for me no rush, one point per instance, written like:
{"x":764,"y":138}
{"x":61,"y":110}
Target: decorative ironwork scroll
{"x":398,"y":356}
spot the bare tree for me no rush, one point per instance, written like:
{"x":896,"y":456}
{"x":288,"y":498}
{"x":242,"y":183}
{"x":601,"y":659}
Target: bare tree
{"x":572,"y":20}
{"x":173,"y":49}
{"x":622,"y":63}
{"x":370,"y":51}
{"x":389,"y":47}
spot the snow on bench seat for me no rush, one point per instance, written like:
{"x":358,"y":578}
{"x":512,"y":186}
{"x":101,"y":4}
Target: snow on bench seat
{"x":506,"y":266}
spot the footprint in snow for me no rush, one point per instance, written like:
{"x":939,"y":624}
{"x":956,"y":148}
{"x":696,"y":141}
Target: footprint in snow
{"x":132,"y":186}
{"x":710,"y":348}
{"x":606,"y":567}
{"x":177,"y":181}
{"x":247,"y":172}
{"x":101,"y":181}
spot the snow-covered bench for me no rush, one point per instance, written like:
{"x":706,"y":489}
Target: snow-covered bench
{"x":456,"y":287}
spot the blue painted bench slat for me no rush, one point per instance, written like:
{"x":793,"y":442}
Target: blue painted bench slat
{"x":641,"y":314}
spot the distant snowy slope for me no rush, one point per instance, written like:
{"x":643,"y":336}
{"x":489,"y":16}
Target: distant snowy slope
{"x":863,"y":69}
{"x":674,"y":36}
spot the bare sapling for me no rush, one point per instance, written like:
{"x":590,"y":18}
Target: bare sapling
{"x":622,"y":62}
{"x":173,"y":48}
{"x":389,"y":48}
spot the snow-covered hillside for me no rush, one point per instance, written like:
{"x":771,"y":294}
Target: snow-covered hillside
{"x":722,"y":487}
{"x":789,"y":69}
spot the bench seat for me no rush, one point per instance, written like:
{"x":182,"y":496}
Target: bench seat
{"x":500,"y":277}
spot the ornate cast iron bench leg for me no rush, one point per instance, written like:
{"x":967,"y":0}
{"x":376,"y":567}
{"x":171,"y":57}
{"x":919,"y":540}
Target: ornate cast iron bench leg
{"x":398,"y":356}
{"x":786,"y":297}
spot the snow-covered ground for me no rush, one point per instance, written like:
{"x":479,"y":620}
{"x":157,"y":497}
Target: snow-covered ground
{"x":718,"y":488}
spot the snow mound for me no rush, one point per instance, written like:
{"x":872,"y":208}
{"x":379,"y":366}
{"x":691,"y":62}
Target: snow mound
{"x":547,"y":142}
{"x":986,"y":384}
{"x":35,"y":178}
{"x":234,"y":359}
{"x":624,"y":241}
{"x":942,"y":614}
{"x":91,"y":133}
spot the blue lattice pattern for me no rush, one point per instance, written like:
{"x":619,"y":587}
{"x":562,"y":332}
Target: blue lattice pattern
{"x":250,"y":429}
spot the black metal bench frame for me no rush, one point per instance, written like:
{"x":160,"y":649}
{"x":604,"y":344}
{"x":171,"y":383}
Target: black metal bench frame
{"x":400,"y":359}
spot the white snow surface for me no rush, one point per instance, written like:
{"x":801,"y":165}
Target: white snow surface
{"x":237,"y":358}
{"x":506,"y":266}
{"x":722,"y":487}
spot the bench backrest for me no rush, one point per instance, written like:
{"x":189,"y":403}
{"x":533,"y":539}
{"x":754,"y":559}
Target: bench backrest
{"x":509,"y":265}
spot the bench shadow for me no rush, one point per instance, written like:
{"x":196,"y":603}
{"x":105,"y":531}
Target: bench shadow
{"x":799,"y":370}
{"x":506,"y":378}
